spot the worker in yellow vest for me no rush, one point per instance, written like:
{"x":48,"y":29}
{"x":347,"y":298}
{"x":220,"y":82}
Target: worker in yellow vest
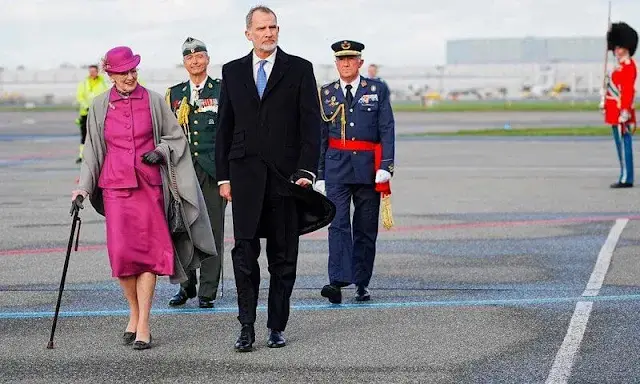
{"x":87,"y":90}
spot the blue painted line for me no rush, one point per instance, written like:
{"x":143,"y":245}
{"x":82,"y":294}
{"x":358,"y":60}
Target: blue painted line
{"x":330,"y":307}
{"x":36,"y":137}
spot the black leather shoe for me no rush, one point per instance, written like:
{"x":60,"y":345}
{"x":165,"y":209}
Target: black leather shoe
{"x":246,"y":339}
{"x":276,"y":339}
{"x":621,"y":185}
{"x":140,"y":345}
{"x":362,"y":293}
{"x":128,"y":338}
{"x":333,"y":293}
{"x":205,"y":302}
{"x":182,"y":296}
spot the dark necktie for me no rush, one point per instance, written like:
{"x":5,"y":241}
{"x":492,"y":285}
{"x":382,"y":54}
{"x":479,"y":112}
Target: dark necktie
{"x":349,"y":95}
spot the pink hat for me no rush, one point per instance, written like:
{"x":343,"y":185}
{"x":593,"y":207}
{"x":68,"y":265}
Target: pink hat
{"x":120,"y":59}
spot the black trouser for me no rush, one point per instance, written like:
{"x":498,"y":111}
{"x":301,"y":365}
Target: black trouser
{"x":210,"y":267}
{"x":280,"y":220}
{"x":83,"y":129}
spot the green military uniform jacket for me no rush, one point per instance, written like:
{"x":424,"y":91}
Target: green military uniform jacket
{"x":203,"y":120}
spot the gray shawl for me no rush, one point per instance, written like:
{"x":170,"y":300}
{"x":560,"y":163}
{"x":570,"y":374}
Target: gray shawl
{"x":172,"y":143}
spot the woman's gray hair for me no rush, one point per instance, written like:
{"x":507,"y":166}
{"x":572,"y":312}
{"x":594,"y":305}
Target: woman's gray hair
{"x":261,"y":8}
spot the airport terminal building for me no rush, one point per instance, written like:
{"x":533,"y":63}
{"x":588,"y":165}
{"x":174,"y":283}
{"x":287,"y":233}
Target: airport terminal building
{"x":504,"y":68}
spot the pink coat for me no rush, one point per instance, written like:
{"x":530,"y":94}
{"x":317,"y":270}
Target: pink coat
{"x":138,"y":238}
{"x":127,"y":145}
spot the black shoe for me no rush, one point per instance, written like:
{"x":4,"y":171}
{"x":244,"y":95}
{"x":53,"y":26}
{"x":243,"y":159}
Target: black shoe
{"x":246,"y":339}
{"x":621,"y":185}
{"x":79,"y":160}
{"x":140,"y":345}
{"x":205,"y":302}
{"x":128,"y":338}
{"x":333,"y":293}
{"x":276,"y":339}
{"x":182,"y":296}
{"x":362,"y":293}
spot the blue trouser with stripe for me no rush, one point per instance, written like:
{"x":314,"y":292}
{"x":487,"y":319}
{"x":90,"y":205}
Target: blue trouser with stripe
{"x":625,"y":152}
{"x":351,"y":255}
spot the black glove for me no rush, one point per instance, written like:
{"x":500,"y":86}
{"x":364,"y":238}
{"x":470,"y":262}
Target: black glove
{"x":76,"y":204}
{"x":152,"y":157}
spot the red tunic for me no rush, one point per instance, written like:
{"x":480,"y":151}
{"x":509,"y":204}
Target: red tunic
{"x":621,"y":92}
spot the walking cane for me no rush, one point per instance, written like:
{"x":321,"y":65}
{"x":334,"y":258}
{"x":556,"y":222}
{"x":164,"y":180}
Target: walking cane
{"x":75,"y":208}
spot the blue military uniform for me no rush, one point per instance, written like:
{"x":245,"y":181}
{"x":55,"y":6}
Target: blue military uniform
{"x":353,"y":135}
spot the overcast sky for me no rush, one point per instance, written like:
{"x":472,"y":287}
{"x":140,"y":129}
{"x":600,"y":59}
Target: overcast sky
{"x":46,"y":33}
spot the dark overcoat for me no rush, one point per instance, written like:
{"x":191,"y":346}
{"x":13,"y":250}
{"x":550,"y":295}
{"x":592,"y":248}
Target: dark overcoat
{"x":280,"y":131}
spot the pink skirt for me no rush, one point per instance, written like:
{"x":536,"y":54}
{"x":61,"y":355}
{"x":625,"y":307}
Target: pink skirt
{"x":138,"y":238}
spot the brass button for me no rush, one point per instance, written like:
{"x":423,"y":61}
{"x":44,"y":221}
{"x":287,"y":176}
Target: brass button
{"x":351,"y":124}
{"x":195,"y":153}
{"x":354,"y":152}
{"x":195,"y":111}
{"x":195,"y":121}
{"x":195,"y":143}
{"x":353,"y":138}
{"x":195,"y":132}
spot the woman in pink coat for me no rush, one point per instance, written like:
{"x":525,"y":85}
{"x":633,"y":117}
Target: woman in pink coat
{"x":124,"y":160}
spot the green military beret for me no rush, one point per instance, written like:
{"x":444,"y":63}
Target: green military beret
{"x":347,"y":48}
{"x":192,"y":45}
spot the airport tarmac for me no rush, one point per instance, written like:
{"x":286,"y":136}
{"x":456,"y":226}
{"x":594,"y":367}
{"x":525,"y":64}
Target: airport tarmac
{"x":511,"y":262}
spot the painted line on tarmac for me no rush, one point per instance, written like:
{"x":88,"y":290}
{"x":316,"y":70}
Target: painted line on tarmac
{"x":329,"y":307}
{"x":565,"y":358}
{"x":322,"y":234}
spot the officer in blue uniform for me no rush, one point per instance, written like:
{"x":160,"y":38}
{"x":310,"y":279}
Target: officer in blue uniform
{"x":356,"y":164}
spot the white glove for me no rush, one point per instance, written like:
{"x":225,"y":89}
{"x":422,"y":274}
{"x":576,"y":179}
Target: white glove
{"x":601,"y":105}
{"x":319,"y":187}
{"x":382,"y":176}
{"x":624,"y":116}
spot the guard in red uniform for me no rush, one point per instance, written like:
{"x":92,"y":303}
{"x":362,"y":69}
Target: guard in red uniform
{"x":619,"y":95}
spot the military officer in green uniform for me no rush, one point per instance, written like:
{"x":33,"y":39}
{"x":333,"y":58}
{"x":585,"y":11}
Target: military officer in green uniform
{"x":195,"y":103}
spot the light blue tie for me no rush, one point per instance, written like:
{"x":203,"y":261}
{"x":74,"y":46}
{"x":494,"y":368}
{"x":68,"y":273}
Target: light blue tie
{"x":261,"y":81}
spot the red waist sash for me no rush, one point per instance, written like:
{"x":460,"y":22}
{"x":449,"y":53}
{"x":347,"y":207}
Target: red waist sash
{"x":359,"y":145}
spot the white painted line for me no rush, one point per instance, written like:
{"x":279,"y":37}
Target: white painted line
{"x":565,"y":358}
{"x":604,"y":259}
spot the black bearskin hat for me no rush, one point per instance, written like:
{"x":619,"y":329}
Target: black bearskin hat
{"x":622,"y":35}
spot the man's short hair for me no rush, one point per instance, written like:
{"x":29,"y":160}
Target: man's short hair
{"x":93,"y":66}
{"x":261,"y":8}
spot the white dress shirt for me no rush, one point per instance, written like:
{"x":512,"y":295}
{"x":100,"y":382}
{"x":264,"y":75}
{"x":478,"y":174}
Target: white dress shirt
{"x":268,"y":66}
{"x":354,"y":86}
{"x":194,"y":90}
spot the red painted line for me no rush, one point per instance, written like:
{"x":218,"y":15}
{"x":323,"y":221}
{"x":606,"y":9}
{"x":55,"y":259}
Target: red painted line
{"x":41,"y":155}
{"x":415,"y":228}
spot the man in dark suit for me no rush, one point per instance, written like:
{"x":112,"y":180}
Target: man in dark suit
{"x":268,"y":139}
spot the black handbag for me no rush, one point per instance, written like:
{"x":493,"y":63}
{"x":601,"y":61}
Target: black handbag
{"x":175,"y":219}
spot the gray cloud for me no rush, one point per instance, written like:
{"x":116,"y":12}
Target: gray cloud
{"x":45,"y":33}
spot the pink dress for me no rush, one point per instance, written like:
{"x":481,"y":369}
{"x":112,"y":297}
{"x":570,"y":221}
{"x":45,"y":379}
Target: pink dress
{"x":138,"y":238}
